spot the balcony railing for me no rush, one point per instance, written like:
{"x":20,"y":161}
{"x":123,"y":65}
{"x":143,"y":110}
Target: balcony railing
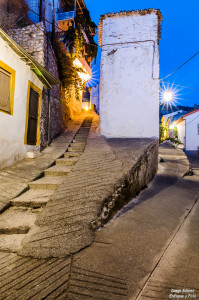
{"x":64,"y":16}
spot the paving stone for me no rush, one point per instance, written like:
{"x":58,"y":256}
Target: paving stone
{"x":11,"y":242}
{"x":33,"y":198}
{"x":58,"y":170}
{"x":16,"y":220}
{"x":75,"y":149}
{"x":72,"y":154}
{"x":68,"y":161}
{"x":51,"y":183}
{"x":77,"y":144}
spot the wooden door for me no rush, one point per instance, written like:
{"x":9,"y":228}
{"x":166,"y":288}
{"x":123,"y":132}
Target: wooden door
{"x":33,"y":117}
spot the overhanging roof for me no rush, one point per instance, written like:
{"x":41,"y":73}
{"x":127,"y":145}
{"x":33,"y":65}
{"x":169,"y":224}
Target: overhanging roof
{"x":46,"y":78}
{"x":141,"y":12}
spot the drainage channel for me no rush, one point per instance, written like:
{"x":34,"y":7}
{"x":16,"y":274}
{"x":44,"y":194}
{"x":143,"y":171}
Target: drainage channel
{"x":16,"y":221}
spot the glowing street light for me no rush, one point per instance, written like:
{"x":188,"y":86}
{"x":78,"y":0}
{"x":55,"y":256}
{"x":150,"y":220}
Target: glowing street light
{"x":168,"y":96}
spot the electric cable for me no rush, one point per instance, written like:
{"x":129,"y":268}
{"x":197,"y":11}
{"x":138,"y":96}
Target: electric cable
{"x":181,"y":65}
{"x":186,"y":87}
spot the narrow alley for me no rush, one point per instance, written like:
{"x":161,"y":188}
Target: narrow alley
{"x":136,"y":255}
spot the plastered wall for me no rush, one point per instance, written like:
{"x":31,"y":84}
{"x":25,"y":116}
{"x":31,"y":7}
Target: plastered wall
{"x":12,"y":127}
{"x":129,"y":87}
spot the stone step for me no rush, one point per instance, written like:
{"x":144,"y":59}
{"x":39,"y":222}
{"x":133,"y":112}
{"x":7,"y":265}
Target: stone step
{"x":48,"y":182}
{"x":58,"y":170}
{"x":11,"y":242}
{"x":77,"y":144}
{"x":80,"y":140}
{"x":69,"y":161}
{"x":17,"y":220}
{"x":82,"y":134}
{"x":72,"y":154}
{"x":33,"y":198}
{"x":76,"y":149}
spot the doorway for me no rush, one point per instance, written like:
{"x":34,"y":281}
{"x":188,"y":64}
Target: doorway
{"x":32,"y":135}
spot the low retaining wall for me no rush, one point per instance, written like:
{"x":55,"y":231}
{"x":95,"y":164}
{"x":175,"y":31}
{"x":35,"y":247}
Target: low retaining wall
{"x":136,"y":179}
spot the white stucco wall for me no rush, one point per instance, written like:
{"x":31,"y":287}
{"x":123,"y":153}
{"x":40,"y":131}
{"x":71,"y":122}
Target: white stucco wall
{"x":181,"y":132}
{"x":192,"y":136}
{"x":12,"y":127}
{"x":129,"y":86}
{"x":95,"y":96}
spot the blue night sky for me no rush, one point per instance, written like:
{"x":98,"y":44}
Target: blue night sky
{"x":180,"y":39}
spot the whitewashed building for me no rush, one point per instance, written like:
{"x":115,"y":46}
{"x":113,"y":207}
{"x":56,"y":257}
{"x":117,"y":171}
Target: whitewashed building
{"x":188,"y":130}
{"x":95,"y":97}
{"x":167,"y":118}
{"x":129,"y":85}
{"x":22,"y":80}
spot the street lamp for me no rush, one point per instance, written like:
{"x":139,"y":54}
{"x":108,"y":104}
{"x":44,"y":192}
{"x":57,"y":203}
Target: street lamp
{"x":167,"y":96}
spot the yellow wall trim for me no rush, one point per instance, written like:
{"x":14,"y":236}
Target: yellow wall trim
{"x":12,"y":86}
{"x":34,"y":87}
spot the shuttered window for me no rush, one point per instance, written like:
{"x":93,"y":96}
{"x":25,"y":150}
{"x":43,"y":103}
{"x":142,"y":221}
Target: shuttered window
{"x":5,"y":88}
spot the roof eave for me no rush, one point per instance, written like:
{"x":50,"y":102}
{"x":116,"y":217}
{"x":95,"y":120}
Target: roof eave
{"x":46,"y":78}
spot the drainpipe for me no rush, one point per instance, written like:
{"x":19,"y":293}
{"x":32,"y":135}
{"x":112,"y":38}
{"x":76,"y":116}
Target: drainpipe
{"x":75,"y":8}
{"x":40,"y":10}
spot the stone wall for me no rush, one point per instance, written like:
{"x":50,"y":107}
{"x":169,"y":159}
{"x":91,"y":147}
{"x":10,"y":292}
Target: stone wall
{"x":72,"y":107}
{"x":129,"y":86}
{"x":33,"y":39}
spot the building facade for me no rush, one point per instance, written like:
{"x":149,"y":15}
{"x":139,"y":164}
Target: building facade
{"x":129,"y":85}
{"x":95,"y":98}
{"x":22,"y":81}
{"x":188,"y":130}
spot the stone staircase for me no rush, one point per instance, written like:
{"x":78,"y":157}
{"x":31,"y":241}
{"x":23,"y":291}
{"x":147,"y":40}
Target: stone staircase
{"x":17,"y":220}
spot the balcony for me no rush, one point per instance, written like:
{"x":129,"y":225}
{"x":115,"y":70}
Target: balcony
{"x":65,"y":16}
{"x":80,"y":62}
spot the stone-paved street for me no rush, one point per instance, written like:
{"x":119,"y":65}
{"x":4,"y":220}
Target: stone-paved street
{"x":135,"y":255}
{"x":15,"y":179}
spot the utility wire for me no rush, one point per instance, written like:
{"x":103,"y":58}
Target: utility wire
{"x":186,"y":87}
{"x":190,"y":121}
{"x":181,"y":65}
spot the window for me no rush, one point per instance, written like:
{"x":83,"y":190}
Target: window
{"x":198,"y":129}
{"x":7,"y":86}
